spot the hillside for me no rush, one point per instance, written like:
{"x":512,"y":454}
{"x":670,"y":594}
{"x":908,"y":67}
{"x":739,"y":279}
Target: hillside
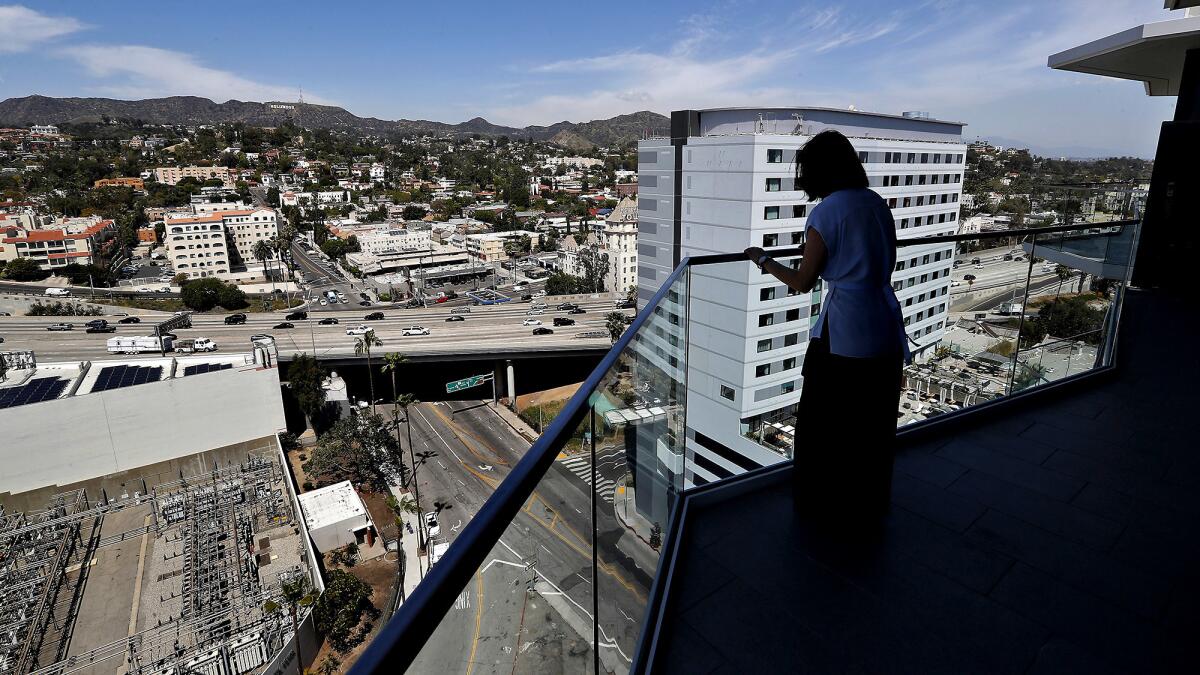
{"x":190,"y":110}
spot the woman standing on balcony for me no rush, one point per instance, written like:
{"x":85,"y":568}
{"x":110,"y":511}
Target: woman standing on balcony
{"x":849,"y":403}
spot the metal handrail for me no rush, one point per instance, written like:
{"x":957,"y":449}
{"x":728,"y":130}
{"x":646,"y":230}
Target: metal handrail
{"x":401,"y":639}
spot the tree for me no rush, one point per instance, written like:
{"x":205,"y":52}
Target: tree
{"x":340,"y":609}
{"x":231,"y":297}
{"x":179,"y":279}
{"x":306,"y":377}
{"x":363,"y":345}
{"x":413,"y":212}
{"x":262,"y":252}
{"x":24,"y":269}
{"x":405,"y":402}
{"x":391,"y":363}
{"x":616,"y":323}
{"x":297,"y":594}
{"x":202,"y":294}
{"x":358,"y":449}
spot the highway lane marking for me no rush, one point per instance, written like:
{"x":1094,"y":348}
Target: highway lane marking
{"x":435,"y":431}
{"x":478,"y":620}
{"x":455,"y":428}
{"x":608,"y":569}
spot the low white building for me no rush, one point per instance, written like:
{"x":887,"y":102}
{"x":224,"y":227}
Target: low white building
{"x":336,"y":517}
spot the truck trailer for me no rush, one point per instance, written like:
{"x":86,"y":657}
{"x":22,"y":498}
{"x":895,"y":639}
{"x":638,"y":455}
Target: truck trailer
{"x":138,"y":345}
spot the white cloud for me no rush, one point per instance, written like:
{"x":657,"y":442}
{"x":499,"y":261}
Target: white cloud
{"x":133,"y":71}
{"x":21,"y":28}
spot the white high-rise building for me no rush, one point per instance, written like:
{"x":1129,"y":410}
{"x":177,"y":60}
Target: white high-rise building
{"x":724,"y":181}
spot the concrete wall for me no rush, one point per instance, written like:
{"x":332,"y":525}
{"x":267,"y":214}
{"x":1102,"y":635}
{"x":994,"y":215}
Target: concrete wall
{"x":75,"y":439}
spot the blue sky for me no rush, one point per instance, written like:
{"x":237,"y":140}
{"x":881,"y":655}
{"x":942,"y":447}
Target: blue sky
{"x":980,"y":62}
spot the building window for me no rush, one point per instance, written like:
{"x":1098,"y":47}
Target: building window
{"x":814,"y":309}
{"x":766,"y":294}
{"x":791,"y":339}
{"x":775,"y":156}
{"x":924,"y":157}
{"x":862,"y":157}
{"x":799,"y":210}
{"x":792,"y":314}
{"x":763,"y":370}
{"x":770,"y":240}
{"x":787,"y":387}
{"x":766,"y":320}
{"x":774,"y":184}
{"x":788,"y":364}
{"x":727,"y":392}
{"x":764,"y":345}
{"x":797,"y":237}
{"x":771,"y":213}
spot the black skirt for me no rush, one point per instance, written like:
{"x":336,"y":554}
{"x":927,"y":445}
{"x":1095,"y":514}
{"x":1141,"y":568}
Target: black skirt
{"x":847,"y":410}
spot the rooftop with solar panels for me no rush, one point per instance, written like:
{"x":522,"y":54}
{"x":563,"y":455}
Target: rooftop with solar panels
{"x":28,"y":382}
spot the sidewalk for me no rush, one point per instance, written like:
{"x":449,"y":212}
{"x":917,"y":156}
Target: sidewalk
{"x":513,"y":420}
{"x":413,"y":563}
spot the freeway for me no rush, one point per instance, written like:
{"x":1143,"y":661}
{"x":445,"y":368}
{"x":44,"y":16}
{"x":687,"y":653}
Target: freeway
{"x":529,"y":608}
{"x":484,"y":329}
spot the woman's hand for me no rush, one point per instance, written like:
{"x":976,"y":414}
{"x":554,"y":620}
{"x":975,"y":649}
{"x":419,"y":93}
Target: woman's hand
{"x":754,"y":253}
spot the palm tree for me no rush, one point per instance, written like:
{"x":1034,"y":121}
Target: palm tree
{"x":391,"y":363}
{"x":297,"y":594}
{"x":362,"y":346}
{"x":616,"y":322}
{"x":262,"y":252}
{"x":404,"y":402}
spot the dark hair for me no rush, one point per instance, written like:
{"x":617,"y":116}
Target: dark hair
{"x":828,"y":163}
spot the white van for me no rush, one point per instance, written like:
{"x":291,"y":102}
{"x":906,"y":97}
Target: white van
{"x":58,"y":292}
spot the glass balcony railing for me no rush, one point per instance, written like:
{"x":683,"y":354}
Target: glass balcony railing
{"x":557,"y":573}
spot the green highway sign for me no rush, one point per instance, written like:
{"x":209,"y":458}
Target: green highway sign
{"x":467,"y":383}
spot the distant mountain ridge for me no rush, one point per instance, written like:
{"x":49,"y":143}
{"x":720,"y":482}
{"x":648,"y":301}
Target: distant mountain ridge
{"x":190,"y":110}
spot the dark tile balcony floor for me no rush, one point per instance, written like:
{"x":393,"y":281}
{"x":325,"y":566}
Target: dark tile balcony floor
{"x":1061,"y":538}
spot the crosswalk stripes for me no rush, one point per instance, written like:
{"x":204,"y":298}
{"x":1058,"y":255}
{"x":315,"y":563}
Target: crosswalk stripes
{"x":580,"y":466}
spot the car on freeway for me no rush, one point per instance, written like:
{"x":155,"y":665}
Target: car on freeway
{"x":431,"y":524}
{"x":324,"y":302}
{"x":440,"y":299}
{"x":374,"y":316}
{"x":567,"y":306}
{"x":535,"y":312}
{"x":61,"y":326}
{"x":328,"y":321}
{"x":955,"y":283}
{"x":539,"y":294}
{"x":144,"y":289}
{"x":99,"y":326}
{"x":974,"y":261}
{"x":359,"y":330}
{"x":416,"y":330}
{"x":526,"y":298}
{"x":285,"y":324}
{"x":563,"y":321}
{"x":297,"y":316}
{"x":531,"y":322}
{"x":578,"y":310}
{"x":542,"y":331}
{"x":968,"y":277}
{"x":625,"y":304}
{"x":520,"y":287}
{"x":461,"y":310}
{"x":1,"y":339}
{"x":235,"y":319}
{"x":455,"y":317}
{"x":5,"y":314}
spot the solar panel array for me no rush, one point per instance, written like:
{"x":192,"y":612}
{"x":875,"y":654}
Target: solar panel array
{"x":34,"y":391}
{"x":205,"y":368}
{"x":115,"y":377}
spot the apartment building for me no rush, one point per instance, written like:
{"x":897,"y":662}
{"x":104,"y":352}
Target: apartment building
{"x":135,"y":183}
{"x":724,"y":181}
{"x":75,"y":240}
{"x":378,"y":238}
{"x":616,"y":237}
{"x":211,"y":244}
{"x":489,"y":246}
{"x":170,"y":175}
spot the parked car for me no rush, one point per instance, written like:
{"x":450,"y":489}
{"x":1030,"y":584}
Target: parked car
{"x":440,"y":299}
{"x":526,"y":298}
{"x":431,"y":524}
{"x":285,"y":324}
{"x":542,"y":331}
{"x":328,"y":321}
{"x":324,"y":302}
{"x":520,"y":287}
{"x":359,"y":330}
{"x":297,"y":316}
{"x":531,"y":322}
{"x":968,"y":277}
{"x":374,"y":316}
{"x":563,"y":321}
{"x":578,"y":310}
{"x":61,"y":326}
{"x":164,"y":289}
{"x":235,"y":319}
{"x":416,"y":330}
{"x":625,"y":304}
{"x":539,"y":294}
{"x":455,"y":317}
